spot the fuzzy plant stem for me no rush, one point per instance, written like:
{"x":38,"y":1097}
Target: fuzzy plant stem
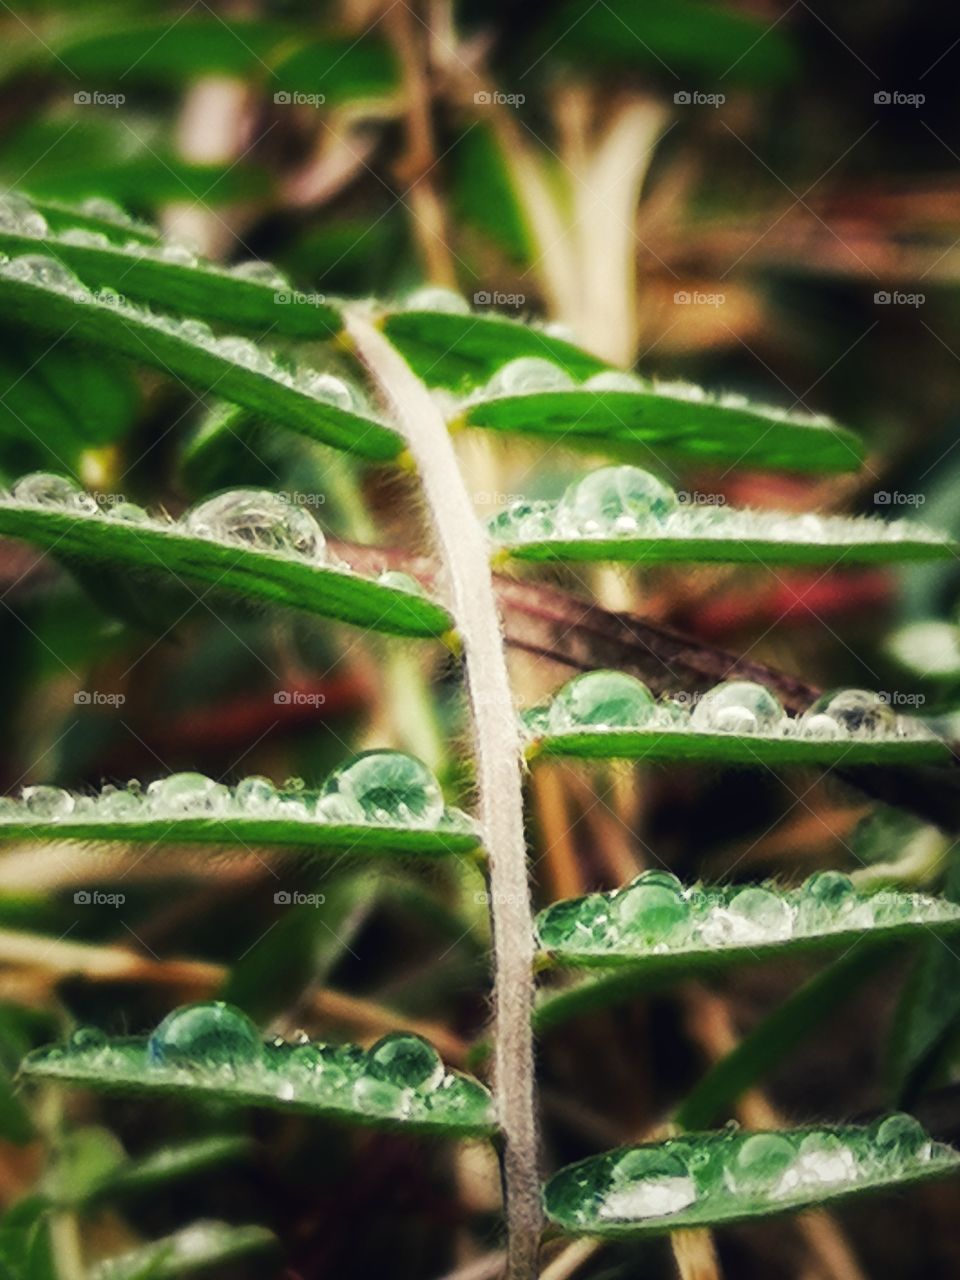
{"x":465,"y":555}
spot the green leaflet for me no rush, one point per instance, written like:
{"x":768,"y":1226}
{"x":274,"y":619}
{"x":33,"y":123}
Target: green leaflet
{"x":196,"y":289}
{"x":202,"y":1244}
{"x":94,"y":214}
{"x":167,"y":1165}
{"x":378,"y":802}
{"x":656,"y":925}
{"x":611,"y":715}
{"x":213,"y":1051}
{"x":536,"y":397}
{"x":460,"y":350}
{"x":40,"y":293}
{"x":709,"y":1179}
{"x":153,"y":547}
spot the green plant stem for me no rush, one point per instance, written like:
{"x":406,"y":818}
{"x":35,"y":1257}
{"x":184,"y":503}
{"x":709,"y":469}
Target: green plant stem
{"x":465,"y":555}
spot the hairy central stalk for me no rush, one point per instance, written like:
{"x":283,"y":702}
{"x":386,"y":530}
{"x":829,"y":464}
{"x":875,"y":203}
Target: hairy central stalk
{"x":465,"y":555}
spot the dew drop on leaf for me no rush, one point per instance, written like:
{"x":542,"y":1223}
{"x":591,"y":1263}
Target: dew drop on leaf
{"x":18,"y":215}
{"x":331,"y":390}
{"x":853,"y":711}
{"x":260,"y":273}
{"x":526,"y":375}
{"x":371,"y":1094}
{"x":825,"y":1160}
{"x":46,"y":271}
{"x":389,"y":787}
{"x":614,"y":380}
{"x":760,"y":915}
{"x":256,"y":795}
{"x":88,"y":1038}
{"x":738,"y":706}
{"x":184,"y":794}
{"x":400,"y":581}
{"x":650,"y":911}
{"x":128,"y":512}
{"x":648,"y":1182}
{"x":615,"y":500}
{"x":43,"y":489}
{"x":48,"y":803}
{"x":213,"y":1034}
{"x":258,"y":518}
{"x":900,"y":1137}
{"x":406,"y":1060}
{"x":759,"y":1164}
{"x":443,"y":301}
{"x":602,"y":700}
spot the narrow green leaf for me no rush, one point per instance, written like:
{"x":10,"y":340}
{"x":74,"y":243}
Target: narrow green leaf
{"x":169,"y":1164}
{"x":203,"y":1244}
{"x":461,"y":350}
{"x":543,"y":531}
{"x":336,"y":69}
{"x":40,"y":293}
{"x":536,"y":397}
{"x":611,"y":715}
{"x":710,"y":1179}
{"x":656,"y":924}
{"x":94,"y":214}
{"x":252,"y":295}
{"x":213,"y":1051}
{"x":80,"y":534}
{"x":378,"y":802}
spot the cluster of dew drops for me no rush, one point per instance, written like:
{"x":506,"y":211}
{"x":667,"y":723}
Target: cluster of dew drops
{"x":609,"y":701}
{"x":400,"y":1077}
{"x":253,"y":518}
{"x":656,"y":914}
{"x":50,"y":273}
{"x":624,"y":502}
{"x":739,"y":1170}
{"x":379,"y":788}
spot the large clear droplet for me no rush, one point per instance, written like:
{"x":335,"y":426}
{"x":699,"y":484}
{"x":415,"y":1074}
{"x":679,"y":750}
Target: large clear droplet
{"x":256,"y":796}
{"x":760,"y":1163}
{"x":330,"y":389}
{"x":900,"y":1137}
{"x":406,"y":1060}
{"x":599,"y":700}
{"x":651,"y":910}
{"x":615,"y":501}
{"x":738,"y":706}
{"x":389,"y":787}
{"x":523,"y":522}
{"x":825,"y":1160}
{"x":18,"y":215}
{"x":205,"y":1035}
{"x":187,"y":794}
{"x":648,"y":1182}
{"x":246,"y":353}
{"x":42,"y":270}
{"x":856,"y":712}
{"x":48,"y":803}
{"x":258,"y":518}
{"x":43,"y":489}
{"x":526,"y":375}
{"x":829,"y":900}
{"x":118,"y":803}
{"x":380,"y":1097}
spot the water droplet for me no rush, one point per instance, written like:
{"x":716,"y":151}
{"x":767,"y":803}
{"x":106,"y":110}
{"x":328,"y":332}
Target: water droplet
{"x":180,"y":255}
{"x":42,"y":270}
{"x":84,"y":239}
{"x":651,"y":911}
{"x":616,"y":500}
{"x":46,"y":490}
{"x":599,"y":700}
{"x":18,"y":215}
{"x":648,"y":1182}
{"x":196,"y":331}
{"x":246,"y":353}
{"x":108,"y":210}
{"x":389,"y":787}
{"x":48,"y":803}
{"x":128,"y":513}
{"x":407,"y":1061}
{"x":187,"y":794}
{"x":738,"y":706}
{"x":342,"y":810}
{"x":527,"y":375}
{"x":401,"y":582}
{"x":213,"y":1034}
{"x":760,"y":1163}
{"x":118,"y":803}
{"x":900,"y":1138}
{"x":760,"y":916}
{"x":256,"y":795}
{"x":260,"y":273}
{"x":329,"y":389}
{"x":825,"y":1160}
{"x":523,"y":522}
{"x":828,"y":899}
{"x":258,"y":518}
{"x":577,"y":922}
{"x":853,"y":711}
{"x":444,"y":301}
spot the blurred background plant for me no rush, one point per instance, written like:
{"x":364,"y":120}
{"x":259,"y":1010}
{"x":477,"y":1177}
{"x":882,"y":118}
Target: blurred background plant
{"x":761,"y":198}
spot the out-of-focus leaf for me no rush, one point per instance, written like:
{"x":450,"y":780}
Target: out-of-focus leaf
{"x":204,"y":1244}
